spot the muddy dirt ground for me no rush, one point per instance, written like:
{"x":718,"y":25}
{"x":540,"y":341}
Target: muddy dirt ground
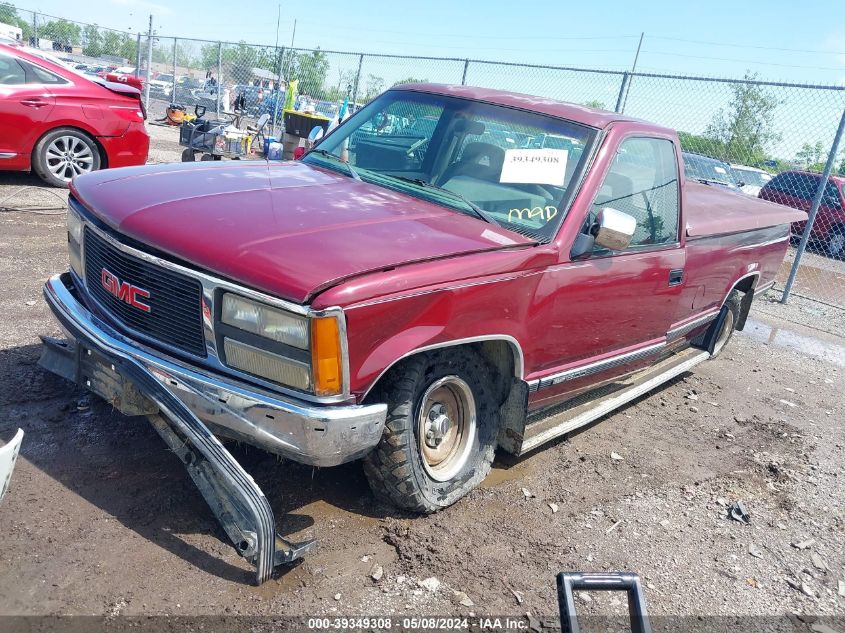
{"x":102,"y":520}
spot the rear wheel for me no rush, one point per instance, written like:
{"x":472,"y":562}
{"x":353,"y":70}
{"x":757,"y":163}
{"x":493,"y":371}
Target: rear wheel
{"x":728,"y":323}
{"x":188,"y":155}
{"x":440,"y":435}
{"x":64,"y":153}
{"x":835,"y":245}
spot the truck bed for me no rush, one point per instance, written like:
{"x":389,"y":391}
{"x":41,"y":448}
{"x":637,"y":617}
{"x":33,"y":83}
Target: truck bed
{"x":713,"y":210}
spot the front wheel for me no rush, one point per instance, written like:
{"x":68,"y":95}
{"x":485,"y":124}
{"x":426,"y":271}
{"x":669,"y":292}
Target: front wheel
{"x":440,"y":435}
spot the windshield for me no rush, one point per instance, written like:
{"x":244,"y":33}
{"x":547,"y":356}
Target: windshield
{"x":752,"y":176}
{"x":518,"y":168}
{"x":167,"y":78}
{"x":703,"y":168}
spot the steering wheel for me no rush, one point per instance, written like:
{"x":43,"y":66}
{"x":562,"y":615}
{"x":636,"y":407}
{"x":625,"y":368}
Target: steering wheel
{"x":417,"y":149}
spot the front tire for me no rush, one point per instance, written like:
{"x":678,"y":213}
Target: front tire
{"x":440,"y":435}
{"x":63,"y":154}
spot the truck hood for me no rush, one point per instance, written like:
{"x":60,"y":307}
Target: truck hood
{"x":288,"y":229}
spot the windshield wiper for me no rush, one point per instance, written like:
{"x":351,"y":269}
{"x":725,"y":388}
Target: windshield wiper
{"x":478,"y":211}
{"x":324,"y":152}
{"x":711,"y":181}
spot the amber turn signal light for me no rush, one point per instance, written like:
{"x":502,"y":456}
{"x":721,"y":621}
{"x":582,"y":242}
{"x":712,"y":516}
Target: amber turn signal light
{"x":326,"y":356}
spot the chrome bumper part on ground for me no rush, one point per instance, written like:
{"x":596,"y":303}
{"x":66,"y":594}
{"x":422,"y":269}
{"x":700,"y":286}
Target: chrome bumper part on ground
{"x":320,"y":435}
{"x":179,"y":400}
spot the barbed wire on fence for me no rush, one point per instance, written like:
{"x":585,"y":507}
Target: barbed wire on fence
{"x":769,"y":139}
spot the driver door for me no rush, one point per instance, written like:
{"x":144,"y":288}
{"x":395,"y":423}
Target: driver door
{"x":609,"y":313}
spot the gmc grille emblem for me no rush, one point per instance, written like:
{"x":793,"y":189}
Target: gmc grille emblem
{"x":124,"y":291}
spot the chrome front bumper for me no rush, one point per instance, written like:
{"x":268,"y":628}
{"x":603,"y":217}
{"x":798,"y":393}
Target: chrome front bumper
{"x":324,"y":435}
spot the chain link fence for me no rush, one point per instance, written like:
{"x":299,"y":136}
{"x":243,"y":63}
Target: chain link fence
{"x":774,"y":140}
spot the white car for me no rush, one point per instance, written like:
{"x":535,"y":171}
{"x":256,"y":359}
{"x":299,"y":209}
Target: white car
{"x":162,"y":85}
{"x":752,"y":179}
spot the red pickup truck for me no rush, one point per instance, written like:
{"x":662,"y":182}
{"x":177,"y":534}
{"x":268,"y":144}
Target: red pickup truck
{"x":486,"y":270}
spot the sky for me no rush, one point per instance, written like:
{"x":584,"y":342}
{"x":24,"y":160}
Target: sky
{"x":789,"y":41}
{"x":797,"y":42}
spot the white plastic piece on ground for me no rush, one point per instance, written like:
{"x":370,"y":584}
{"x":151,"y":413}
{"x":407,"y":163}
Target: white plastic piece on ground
{"x":8,"y":456}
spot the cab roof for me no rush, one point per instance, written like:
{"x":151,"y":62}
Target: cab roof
{"x":561,"y":109}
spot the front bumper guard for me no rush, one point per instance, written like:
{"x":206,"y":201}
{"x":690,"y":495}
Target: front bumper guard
{"x":138,"y":383}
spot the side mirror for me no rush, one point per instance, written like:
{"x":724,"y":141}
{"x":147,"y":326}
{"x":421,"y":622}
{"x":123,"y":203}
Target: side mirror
{"x":613,"y":229}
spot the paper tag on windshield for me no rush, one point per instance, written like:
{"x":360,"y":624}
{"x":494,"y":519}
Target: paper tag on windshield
{"x":535,"y":166}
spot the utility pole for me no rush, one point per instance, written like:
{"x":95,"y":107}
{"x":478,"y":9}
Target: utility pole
{"x":631,"y":76}
{"x":149,"y":64}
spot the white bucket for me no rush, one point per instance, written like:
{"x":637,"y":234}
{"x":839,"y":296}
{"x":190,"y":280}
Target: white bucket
{"x":8,"y":456}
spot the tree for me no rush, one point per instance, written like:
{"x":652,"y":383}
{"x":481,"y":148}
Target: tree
{"x":698,"y":144}
{"x":61,"y":32}
{"x":9,"y":15}
{"x":410,"y":80}
{"x":111,"y":43}
{"x":812,"y":157}
{"x":345,"y":79}
{"x":208,"y":56}
{"x":374,"y":85}
{"x":128,"y":48}
{"x":92,"y":44}
{"x":595,"y":103}
{"x":311,"y":70}
{"x":746,"y":126}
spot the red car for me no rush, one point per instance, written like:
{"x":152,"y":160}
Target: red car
{"x":59,"y":124}
{"x":796,"y":189}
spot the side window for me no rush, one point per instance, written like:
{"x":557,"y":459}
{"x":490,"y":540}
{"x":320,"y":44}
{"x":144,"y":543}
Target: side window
{"x":11,"y":72}
{"x":831,"y":195}
{"x":40,"y":76}
{"x":807,"y":187}
{"x":779,"y":183}
{"x":643,"y":182}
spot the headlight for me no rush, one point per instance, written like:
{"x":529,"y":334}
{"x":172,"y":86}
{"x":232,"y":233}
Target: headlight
{"x":74,"y":240}
{"x":284,"y":371}
{"x":257,"y":318}
{"x":74,"y":225}
{"x":318,"y":368}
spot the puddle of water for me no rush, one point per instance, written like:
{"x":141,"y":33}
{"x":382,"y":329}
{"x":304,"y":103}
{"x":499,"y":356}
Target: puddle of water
{"x":501,"y":474}
{"x":807,"y":345}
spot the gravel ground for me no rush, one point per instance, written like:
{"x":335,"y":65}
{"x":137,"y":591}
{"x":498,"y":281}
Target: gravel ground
{"x":102,"y":520}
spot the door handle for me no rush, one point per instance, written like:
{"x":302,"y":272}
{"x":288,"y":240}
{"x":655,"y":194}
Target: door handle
{"x":34,"y":103}
{"x":676,"y":277}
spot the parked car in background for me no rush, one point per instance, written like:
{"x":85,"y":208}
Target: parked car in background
{"x":60,"y":123}
{"x":750,"y":179}
{"x":162,"y":86}
{"x":709,"y":170}
{"x":797,"y":189}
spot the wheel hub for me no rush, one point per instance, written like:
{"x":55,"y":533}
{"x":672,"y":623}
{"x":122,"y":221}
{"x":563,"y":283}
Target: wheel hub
{"x":437,"y":425}
{"x":446,"y":427}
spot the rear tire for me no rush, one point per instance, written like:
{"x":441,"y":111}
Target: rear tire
{"x":440,"y":435}
{"x":731,"y":311}
{"x":835,"y":243}
{"x":188,"y":156}
{"x":63,"y":154}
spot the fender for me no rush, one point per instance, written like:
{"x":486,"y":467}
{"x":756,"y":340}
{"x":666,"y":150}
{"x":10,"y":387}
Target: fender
{"x":513,"y":345}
